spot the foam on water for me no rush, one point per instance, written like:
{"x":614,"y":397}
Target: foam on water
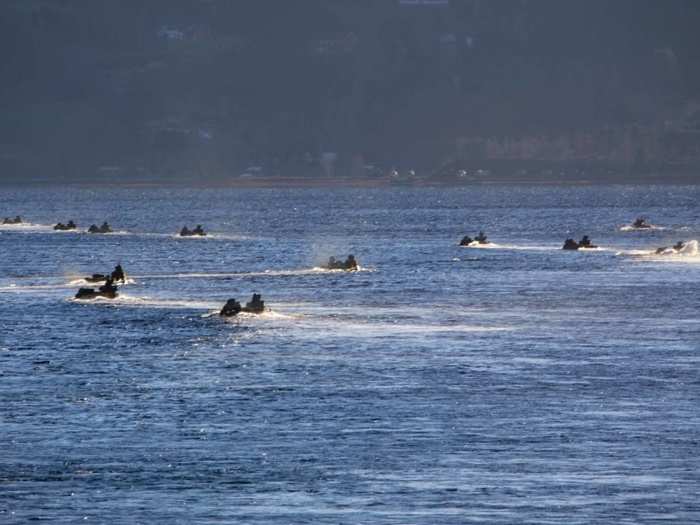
{"x":596,"y":249}
{"x":264,"y":273}
{"x":75,"y":231}
{"x":73,"y":283}
{"x":506,"y":246}
{"x":529,"y":247}
{"x":146,"y":302}
{"x":320,"y":269}
{"x":211,"y":236}
{"x":630,"y":228}
{"x":190,"y":275}
{"x":689,"y":253}
{"x":179,"y":237}
{"x":305,"y":271}
{"x":690,"y":249}
{"x":475,"y":244}
{"x":26,"y":227}
{"x":267,"y":315}
{"x":112,"y":233}
{"x":82,"y":282}
{"x":49,"y":228}
{"x":180,"y":304}
{"x":364,"y":321}
{"x":361,"y":330}
{"x":28,"y":288}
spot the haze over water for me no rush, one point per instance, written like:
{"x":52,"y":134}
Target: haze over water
{"x":439,"y":384}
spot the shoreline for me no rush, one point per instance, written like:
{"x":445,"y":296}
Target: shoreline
{"x":280,"y":183}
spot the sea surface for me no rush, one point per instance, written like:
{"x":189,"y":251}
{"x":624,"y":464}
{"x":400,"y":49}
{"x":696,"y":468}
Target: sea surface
{"x":514,"y":383}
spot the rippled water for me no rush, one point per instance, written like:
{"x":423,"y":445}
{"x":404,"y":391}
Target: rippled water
{"x":512,"y":384}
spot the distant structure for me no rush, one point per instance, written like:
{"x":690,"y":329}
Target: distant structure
{"x":171,"y":33}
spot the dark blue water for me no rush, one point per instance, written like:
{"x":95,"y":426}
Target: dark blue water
{"x":511,"y":384}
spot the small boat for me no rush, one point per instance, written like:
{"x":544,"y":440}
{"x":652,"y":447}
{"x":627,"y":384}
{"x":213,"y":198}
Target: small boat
{"x":96,"y":278}
{"x":91,"y":293}
{"x":16,"y":220}
{"x":641,"y":223}
{"x":196,"y":232}
{"x":570,"y":244}
{"x":105,"y":228}
{"x":348,"y":264}
{"x":116,"y":275}
{"x":108,"y":291}
{"x":583,"y":244}
{"x":478,"y":239}
{"x":673,"y":250}
{"x":232,"y":307}
{"x":70,"y":225}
